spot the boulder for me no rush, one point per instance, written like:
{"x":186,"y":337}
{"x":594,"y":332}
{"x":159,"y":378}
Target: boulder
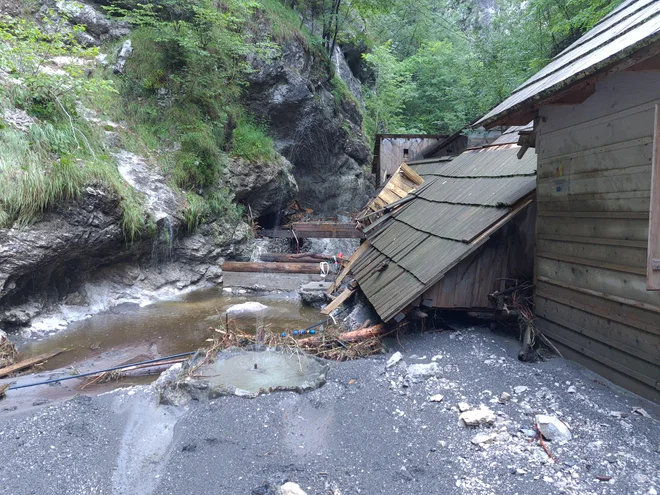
{"x":267,"y":186}
{"x":552,"y":428}
{"x":478,"y":417}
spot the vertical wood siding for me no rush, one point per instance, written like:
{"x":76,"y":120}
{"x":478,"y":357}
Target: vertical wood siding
{"x":593,"y":196}
{"x":507,"y":255}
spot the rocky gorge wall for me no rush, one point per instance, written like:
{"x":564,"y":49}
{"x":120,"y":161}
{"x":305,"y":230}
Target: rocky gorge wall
{"x":75,"y":260}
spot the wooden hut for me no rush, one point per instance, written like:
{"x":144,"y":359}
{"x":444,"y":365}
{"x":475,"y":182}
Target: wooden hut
{"x":597,"y":139}
{"x":390,"y":150}
{"x":455,"y":239}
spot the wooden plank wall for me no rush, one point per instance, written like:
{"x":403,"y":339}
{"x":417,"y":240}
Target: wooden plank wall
{"x":594,"y":175}
{"x":509,"y":254}
{"x":391,"y":153}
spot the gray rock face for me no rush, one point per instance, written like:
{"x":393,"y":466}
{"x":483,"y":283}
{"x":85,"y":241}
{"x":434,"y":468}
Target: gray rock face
{"x":318,"y":134}
{"x":62,"y":15}
{"x":344,"y":71}
{"x":266,"y":186}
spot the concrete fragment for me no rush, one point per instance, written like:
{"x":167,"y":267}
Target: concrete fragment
{"x":520,"y":472}
{"x":571,"y":389}
{"x":552,"y":428}
{"x":436,"y":398}
{"x":641,"y":412}
{"x":463,"y":406}
{"x":483,"y":416}
{"x":520,"y":389}
{"x":420,"y":372}
{"x":291,"y":488}
{"x":504,"y":398}
{"x":484,"y":438}
{"x":394,"y":360}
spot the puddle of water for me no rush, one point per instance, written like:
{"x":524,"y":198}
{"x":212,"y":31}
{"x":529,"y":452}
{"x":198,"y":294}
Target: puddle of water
{"x":170,"y":327}
{"x":255,"y":371}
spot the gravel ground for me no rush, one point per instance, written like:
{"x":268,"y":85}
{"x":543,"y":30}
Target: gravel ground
{"x":367,"y":431}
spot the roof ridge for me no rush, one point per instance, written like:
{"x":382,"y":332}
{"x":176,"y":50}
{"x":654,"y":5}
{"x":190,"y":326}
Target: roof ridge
{"x":569,"y":62}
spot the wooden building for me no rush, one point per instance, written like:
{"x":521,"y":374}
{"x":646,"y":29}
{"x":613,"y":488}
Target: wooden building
{"x":454,"y":240}
{"x":391,"y":150}
{"x":597,"y":140}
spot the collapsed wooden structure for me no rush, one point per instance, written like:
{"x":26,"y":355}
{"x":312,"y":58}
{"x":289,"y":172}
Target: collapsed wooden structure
{"x":597,"y":137}
{"x":462,"y":234}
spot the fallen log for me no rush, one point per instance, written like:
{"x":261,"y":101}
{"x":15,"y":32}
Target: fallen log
{"x":354,"y":336}
{"x":247,"y":266}
{"x":298,"y":258}
{"x":27,"y":363}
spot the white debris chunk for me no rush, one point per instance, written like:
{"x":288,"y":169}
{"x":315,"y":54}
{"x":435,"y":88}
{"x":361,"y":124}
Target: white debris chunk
{"x":571,"y":389}
{"x":420,"y":372}
{"x":291,"y":488}
{"x":246,"y":307}
{"x":483,"y":416}
{"x":520,"y":472}
{"x":552,"y":428}
{"x":463,"y":406}
{"x":484,"y":438}
{"x":520,"y":389}
{"x":394,"y":360}
{"x":641,"y":412}
{"x":504,"y":398}
{"x":436,"y":398}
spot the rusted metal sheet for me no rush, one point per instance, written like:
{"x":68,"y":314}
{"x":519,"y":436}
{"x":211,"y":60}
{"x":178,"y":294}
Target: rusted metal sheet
{"x":634,"y":25}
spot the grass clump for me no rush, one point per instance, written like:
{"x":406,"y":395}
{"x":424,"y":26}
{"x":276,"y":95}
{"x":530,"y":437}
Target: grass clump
{"x":250,"y":141}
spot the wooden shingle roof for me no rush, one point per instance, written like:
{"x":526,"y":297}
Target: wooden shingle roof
{"x":460,"y":204}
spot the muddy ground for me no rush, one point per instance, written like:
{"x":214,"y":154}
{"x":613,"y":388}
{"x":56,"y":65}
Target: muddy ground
{"x":367,"y":431}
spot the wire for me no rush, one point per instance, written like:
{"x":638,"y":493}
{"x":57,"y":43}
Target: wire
{"x":81,"y":375}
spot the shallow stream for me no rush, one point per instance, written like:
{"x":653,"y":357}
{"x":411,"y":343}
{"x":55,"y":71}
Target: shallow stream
{"x":166,"y":327}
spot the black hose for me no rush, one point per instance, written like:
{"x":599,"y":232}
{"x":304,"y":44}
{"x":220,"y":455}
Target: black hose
{"x":81,"y":375}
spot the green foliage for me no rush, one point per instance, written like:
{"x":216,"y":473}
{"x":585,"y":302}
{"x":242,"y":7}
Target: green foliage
{"x":216,"y":205}
{"x":60,"y":153}
{"x":438,"y":66}
{"x":250,"y":141}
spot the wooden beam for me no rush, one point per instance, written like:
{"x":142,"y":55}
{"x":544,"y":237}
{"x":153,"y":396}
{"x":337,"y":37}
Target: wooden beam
{"x":246,"y":266}
{"x":653,"y":276}
{"x":298,"y":258}
{"x":347,"y":266}
{"x":315,"y":230}
{"x":338,"y":301}
{"x":28,"y":363}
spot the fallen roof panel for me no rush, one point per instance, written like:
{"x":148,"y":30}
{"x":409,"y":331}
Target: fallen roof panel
{"x":485,"y":191}
{"x":447,"y":219}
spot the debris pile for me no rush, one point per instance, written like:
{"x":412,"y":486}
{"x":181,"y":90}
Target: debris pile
{"x":8,"y":352}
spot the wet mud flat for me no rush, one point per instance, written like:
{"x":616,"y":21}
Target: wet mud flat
{"x":368,"y":430}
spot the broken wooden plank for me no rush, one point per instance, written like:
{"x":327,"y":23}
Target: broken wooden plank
{"x":27,"y":363}
{"x":315,"y":230}
{"x":347,"y":266}
{"x":338,"y":301}
{"x":252,"y":267}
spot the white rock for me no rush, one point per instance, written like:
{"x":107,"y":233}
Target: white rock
{"x":641,"y":412}
{"x":483,"y":438}
{"x":436,"y":398}
{"x":394,"y":360}
{"x":520,"y":471}
{"x":463,"y":406}
{"x":520,"y":389}
{"x":571,"y":389}
{"x":652,"y":491}
{"x":246,"y":307}
{"x":504,"y":398}
{"x":616,"y":414}
{"x":483,"y":416}
{"x":420,"y":372}
{"x":552,"y":428}
{"x":548,"y":479}
{"x":436,"y":357}
{"x":291,"y":488}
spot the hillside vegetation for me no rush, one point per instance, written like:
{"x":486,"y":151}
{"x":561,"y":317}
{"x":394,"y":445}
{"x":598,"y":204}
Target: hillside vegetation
{"x":426,"y":66}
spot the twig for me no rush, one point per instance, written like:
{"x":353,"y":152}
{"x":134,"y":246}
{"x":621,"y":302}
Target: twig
{"x":543,"y":444}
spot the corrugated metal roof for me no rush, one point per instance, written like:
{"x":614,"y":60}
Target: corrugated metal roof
{"x":632,"y":26}
{"x":425,"y":237}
